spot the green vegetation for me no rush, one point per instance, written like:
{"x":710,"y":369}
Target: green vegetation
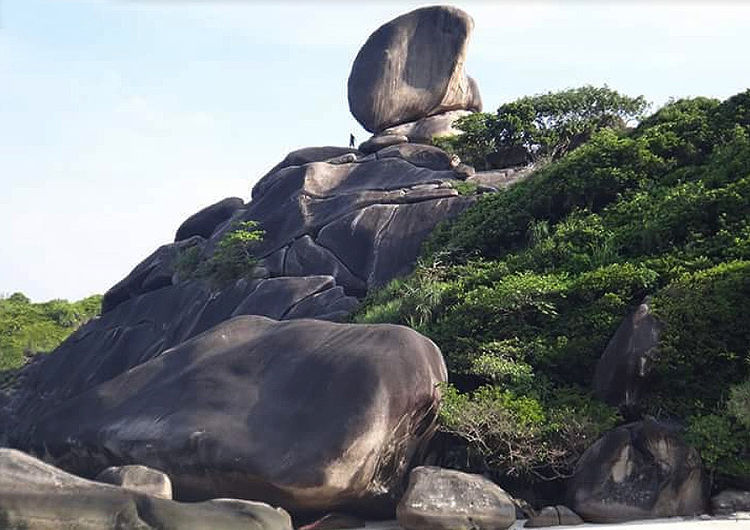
{"x":232,"y":258}
{"x":523,"y":291}
{"x":546,"y":125}
{"x":28,"y":328}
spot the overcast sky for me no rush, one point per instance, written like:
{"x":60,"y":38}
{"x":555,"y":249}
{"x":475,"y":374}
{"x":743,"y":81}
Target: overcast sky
{"x":118,"y":119}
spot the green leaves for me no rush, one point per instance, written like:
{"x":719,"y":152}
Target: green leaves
{"x":231,"y":260}
{"x":546,"y":125}
{"x":28,"y":328}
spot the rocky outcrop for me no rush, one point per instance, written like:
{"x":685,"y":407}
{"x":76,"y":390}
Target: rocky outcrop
{"x":444,"y":499}
{"x":304,"y":414}
{"x":154,"y":272}
{"x":413,"y":67}
{"x":36,"y":495}
{"x":623,"y":367}
{"x":204,"y":222}
{"x":140,"y":329}
{"x":638,"y":471}
{"x":138,"y":478}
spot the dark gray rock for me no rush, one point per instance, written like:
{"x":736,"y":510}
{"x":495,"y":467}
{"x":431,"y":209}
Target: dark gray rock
{"x":204,"y":222}
{"x":553,"y":516}
{"x":412,"y":67}
{"x":426,"y":129}
{"x":622,"y":370}
{"x":305,"y":256}
{"x":139,"y":478}
{"x":567,"y":516}
{"x":420,"y":155}
{"x":730,"y":502}
{"x":547,"y":516}
{"x":381,"y":242}
{"x":381,"y":141}
{"x":300,"y":157}
{"x":638,"y":471}
{"x":445,"y":499}
{"x":36,"y":495}
{"x":154,"y":272}
{"x":335,"y":521}
{"x":309,"y":415}
{"x":142,"y":328}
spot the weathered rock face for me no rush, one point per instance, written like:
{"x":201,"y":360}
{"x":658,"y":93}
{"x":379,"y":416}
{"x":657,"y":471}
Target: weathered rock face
{"x":36,"y":495}
{"x":154,"y":272}
{"x":638,"y":471}
{"x":139,"y":478}
{"x":143,"y":327}
{"x":413,"y":67}
{"x":304,"y":414}
{"x":621,"y":372}
{"x":444,"y":499}
{"x":362,"y":222}
{"x":204,"y":222}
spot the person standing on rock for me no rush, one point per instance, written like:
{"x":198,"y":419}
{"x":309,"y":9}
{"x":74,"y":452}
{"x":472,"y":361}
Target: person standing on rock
{"x":351,"y":140}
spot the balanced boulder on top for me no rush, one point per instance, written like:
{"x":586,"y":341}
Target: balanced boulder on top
{"x":413,"y":67}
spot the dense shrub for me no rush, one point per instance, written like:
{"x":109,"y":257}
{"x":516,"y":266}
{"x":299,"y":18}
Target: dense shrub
{"x":523,"y":291}
{"x":233,"y":257}
{"x":28,"y":328}
{"x":546,"y":125}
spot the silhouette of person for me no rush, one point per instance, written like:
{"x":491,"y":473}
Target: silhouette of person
{"x":351,"y":140}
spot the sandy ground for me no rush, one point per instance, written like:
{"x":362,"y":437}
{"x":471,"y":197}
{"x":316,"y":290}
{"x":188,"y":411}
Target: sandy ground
{"x":675,"y":523}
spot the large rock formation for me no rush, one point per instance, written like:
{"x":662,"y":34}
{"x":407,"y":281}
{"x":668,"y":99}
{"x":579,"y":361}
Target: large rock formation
{"x":413,"y":67}
{"x":36,"y":495}
{"x":638,"y":471}
{"x":312,"y":415}
{"x":305,"y":414}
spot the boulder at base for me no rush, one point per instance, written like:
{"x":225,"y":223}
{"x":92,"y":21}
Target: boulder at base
{"x":39,"y":496}
{"x":445,"y":499}
{"x":305,"y":414}
{"x":413,"y":67}
{"x":638,"y":471}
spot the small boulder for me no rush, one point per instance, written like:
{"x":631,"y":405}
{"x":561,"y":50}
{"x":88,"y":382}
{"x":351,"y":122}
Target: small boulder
{"x":424,"y":130}
{"x":730,"y":502}
{"x":412,"y":67}
{"x":138,"y":478}
{"x":204,"y":222}
{"x":438,"y":499}
{"x":381,"y":141}
{"x":641,"y":470}
{"x":553,"y":516}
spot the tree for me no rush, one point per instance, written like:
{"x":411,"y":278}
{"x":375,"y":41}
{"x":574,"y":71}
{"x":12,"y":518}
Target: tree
{"x":545,"y":125}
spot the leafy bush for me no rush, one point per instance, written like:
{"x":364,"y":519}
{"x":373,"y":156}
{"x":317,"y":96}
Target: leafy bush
{"x":232,"y":258}
{"x":28,"y":328}
{"x":523,"y":291}
{"x":546,"y":125}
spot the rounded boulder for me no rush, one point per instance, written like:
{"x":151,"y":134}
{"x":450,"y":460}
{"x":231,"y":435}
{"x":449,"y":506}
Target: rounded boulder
{"x":413,"y":67}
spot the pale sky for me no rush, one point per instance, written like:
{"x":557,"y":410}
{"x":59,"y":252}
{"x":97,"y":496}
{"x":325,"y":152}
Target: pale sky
{"x":119,"y":119}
